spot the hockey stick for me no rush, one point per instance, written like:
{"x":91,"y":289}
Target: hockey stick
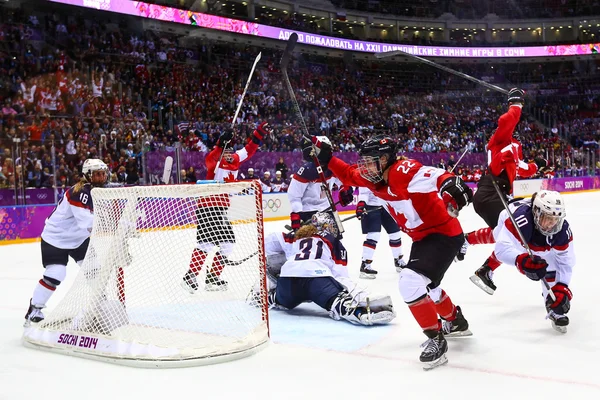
{"x":289,"y":228}
{"x":167,"y":170}
{"x":232,"y":263}
{"x":443,"y":68}
{"x":239,"y":107}
{"x":524,"y":242}
{"x":285,"y":60}
{"x":460,"y":158}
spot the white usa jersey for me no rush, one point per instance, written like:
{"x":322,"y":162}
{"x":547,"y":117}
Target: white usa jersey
{"x":557,"y":250}
{"x":368,"y":197}
{"x":305,"y":192}
{"x":315,"y":256}
{"x":70,"y":224}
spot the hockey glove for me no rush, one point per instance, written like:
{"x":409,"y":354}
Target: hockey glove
{"x":541,"y":163}
{"x":260,"y":132}
{"x":456,"y":195}
{"x":516,"y":96}
{"x":360,"y":209}
{"x":225,"y":137}
{"x":563,"y":295}
{"x":533,"y":267}
{"x":346,"y":195}
{"x":296,"y":221}
{"x":318,"y":146}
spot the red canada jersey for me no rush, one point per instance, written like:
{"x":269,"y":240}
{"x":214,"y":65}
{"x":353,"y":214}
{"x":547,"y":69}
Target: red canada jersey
{"x":411,"y":196}
{"x":504,"y":151}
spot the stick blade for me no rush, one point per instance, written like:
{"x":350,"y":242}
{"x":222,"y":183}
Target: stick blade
{"x":287,"y":53}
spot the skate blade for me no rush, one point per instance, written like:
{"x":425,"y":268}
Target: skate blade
{"x":215,"y":288}
{"x":561,"y":329}
{"x":436,"y":363}
{"x":187,"y":288}
{"x":479,"y":283}
{"x":367,"y":276}
{"x":459,"y":334}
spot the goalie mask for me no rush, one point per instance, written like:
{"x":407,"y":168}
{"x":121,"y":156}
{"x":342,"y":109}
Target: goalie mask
{"x":376,"y":155}
{"x":324,"y":223}
{"x":95,"y":172}
{"x":548,"y":212}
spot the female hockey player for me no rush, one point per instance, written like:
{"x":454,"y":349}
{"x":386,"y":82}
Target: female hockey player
{"x":548,"y":235}
{"x":315,"y":270}
{"x":214,"y":230}
{"x":371,"y":222}
{"x":66,"y":234}
{"x":425,"y":202}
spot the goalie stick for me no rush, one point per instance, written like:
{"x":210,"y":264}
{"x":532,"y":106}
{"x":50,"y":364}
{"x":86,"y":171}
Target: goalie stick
{"x":285,"y":60}
{"x":289,"y":228}
{"x":237,"y":111}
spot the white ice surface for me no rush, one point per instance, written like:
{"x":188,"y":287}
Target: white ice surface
{"x":514,"y":353}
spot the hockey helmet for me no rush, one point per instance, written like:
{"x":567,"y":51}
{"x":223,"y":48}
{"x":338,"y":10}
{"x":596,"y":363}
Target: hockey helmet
{"x":371,"y":152}
{"x":324,"y":223}
{"x":548,"y":212}
{"x":89,"y":169}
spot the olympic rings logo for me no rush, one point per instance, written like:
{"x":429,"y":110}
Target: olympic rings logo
{"x":271,"y":205}
{"x":524,"y":186}
{"x":42,"y":196}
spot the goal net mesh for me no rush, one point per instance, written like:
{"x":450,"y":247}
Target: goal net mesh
{"x":172,"y":273}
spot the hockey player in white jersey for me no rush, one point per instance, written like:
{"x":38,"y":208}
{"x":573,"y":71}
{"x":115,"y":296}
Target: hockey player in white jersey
{"x":372,"y":215}
{"x":306,"y":193}
{"x":66,"y":234}
{"x":311,"y":266}
{"x":548,"y":235}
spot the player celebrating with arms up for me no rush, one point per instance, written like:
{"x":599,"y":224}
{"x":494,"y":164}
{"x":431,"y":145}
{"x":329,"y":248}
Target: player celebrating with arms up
{"x":548,"y":235}
{"x":425,"y":202}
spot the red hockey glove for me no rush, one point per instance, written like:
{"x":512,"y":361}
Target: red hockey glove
{"x":260,"y":132}
{"x":563,"y":295}
{"x":360,"y":209}
{"x":296,"y":221}
{"x":533,"y":267}
{"x":346,"y":195}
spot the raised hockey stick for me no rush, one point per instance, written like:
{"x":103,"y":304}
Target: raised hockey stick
{"x":460,"y":158}
{"x":285,"y":60}
{"x":443,"y":68}
{"x":239,"y":107}
{"x":524,"y":242}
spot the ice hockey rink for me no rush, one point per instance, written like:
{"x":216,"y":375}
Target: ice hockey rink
{"x":513,"y":353}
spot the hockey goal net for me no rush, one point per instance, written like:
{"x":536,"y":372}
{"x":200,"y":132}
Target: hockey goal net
{"x":130,"y":303}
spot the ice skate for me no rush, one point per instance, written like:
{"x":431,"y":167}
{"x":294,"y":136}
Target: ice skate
{"x":190,"y":282}
{"x":34,"y":314}
{"x":483,"y":279}
{"x":434,"y":352}
{"x":366,"y":271}
{"x":214,"y":283}
{"x":399,"y":263}
{"x":559,"y":321}
{"x":458,"y":327}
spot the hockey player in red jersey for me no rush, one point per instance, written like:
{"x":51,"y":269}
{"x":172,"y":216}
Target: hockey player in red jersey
{"x":505,"y":163}
{"x":425,"y":202}
{"x":214,"y":230}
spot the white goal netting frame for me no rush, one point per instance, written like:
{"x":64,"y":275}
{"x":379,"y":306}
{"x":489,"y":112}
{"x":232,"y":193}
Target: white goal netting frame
{"x":129,"y":303}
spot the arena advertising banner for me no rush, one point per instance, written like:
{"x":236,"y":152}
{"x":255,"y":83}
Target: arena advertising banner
{"x":169,"y":14}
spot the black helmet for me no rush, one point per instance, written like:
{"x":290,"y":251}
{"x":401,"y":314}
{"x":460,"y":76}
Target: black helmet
{"x":371,"y":152}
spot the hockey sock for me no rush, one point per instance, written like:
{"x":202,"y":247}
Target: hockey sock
{"x":369,"y":246}
{"x":481,"y":236}
{"x":425,"y":313}
{"x":198,"y":257}
{"x":445,"y":308}
{"x":493,"y":262}
{"x":218,"y":265}
{"x":396,"y":245}
{"x":43,"y":290}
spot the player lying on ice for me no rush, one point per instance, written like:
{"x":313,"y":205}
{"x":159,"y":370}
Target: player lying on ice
{"x":425,"y":202}
{"x":547,"y":233}
{"x":311,"y":266}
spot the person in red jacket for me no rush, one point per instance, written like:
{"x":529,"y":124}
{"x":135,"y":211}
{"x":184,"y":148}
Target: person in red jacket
{"x":214,"y":230}
{"x":505,"y":163}
{"x":424,"y":201}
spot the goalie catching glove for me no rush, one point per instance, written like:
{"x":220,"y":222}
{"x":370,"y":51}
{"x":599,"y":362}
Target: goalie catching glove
{"x":456,"y":195}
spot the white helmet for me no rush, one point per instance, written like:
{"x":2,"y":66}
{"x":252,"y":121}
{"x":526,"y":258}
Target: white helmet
{"x":92,"y":165}
{"x":548,"y":212}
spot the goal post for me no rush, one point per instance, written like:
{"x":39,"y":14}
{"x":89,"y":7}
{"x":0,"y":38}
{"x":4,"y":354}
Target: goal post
{"x":129,"y":304}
